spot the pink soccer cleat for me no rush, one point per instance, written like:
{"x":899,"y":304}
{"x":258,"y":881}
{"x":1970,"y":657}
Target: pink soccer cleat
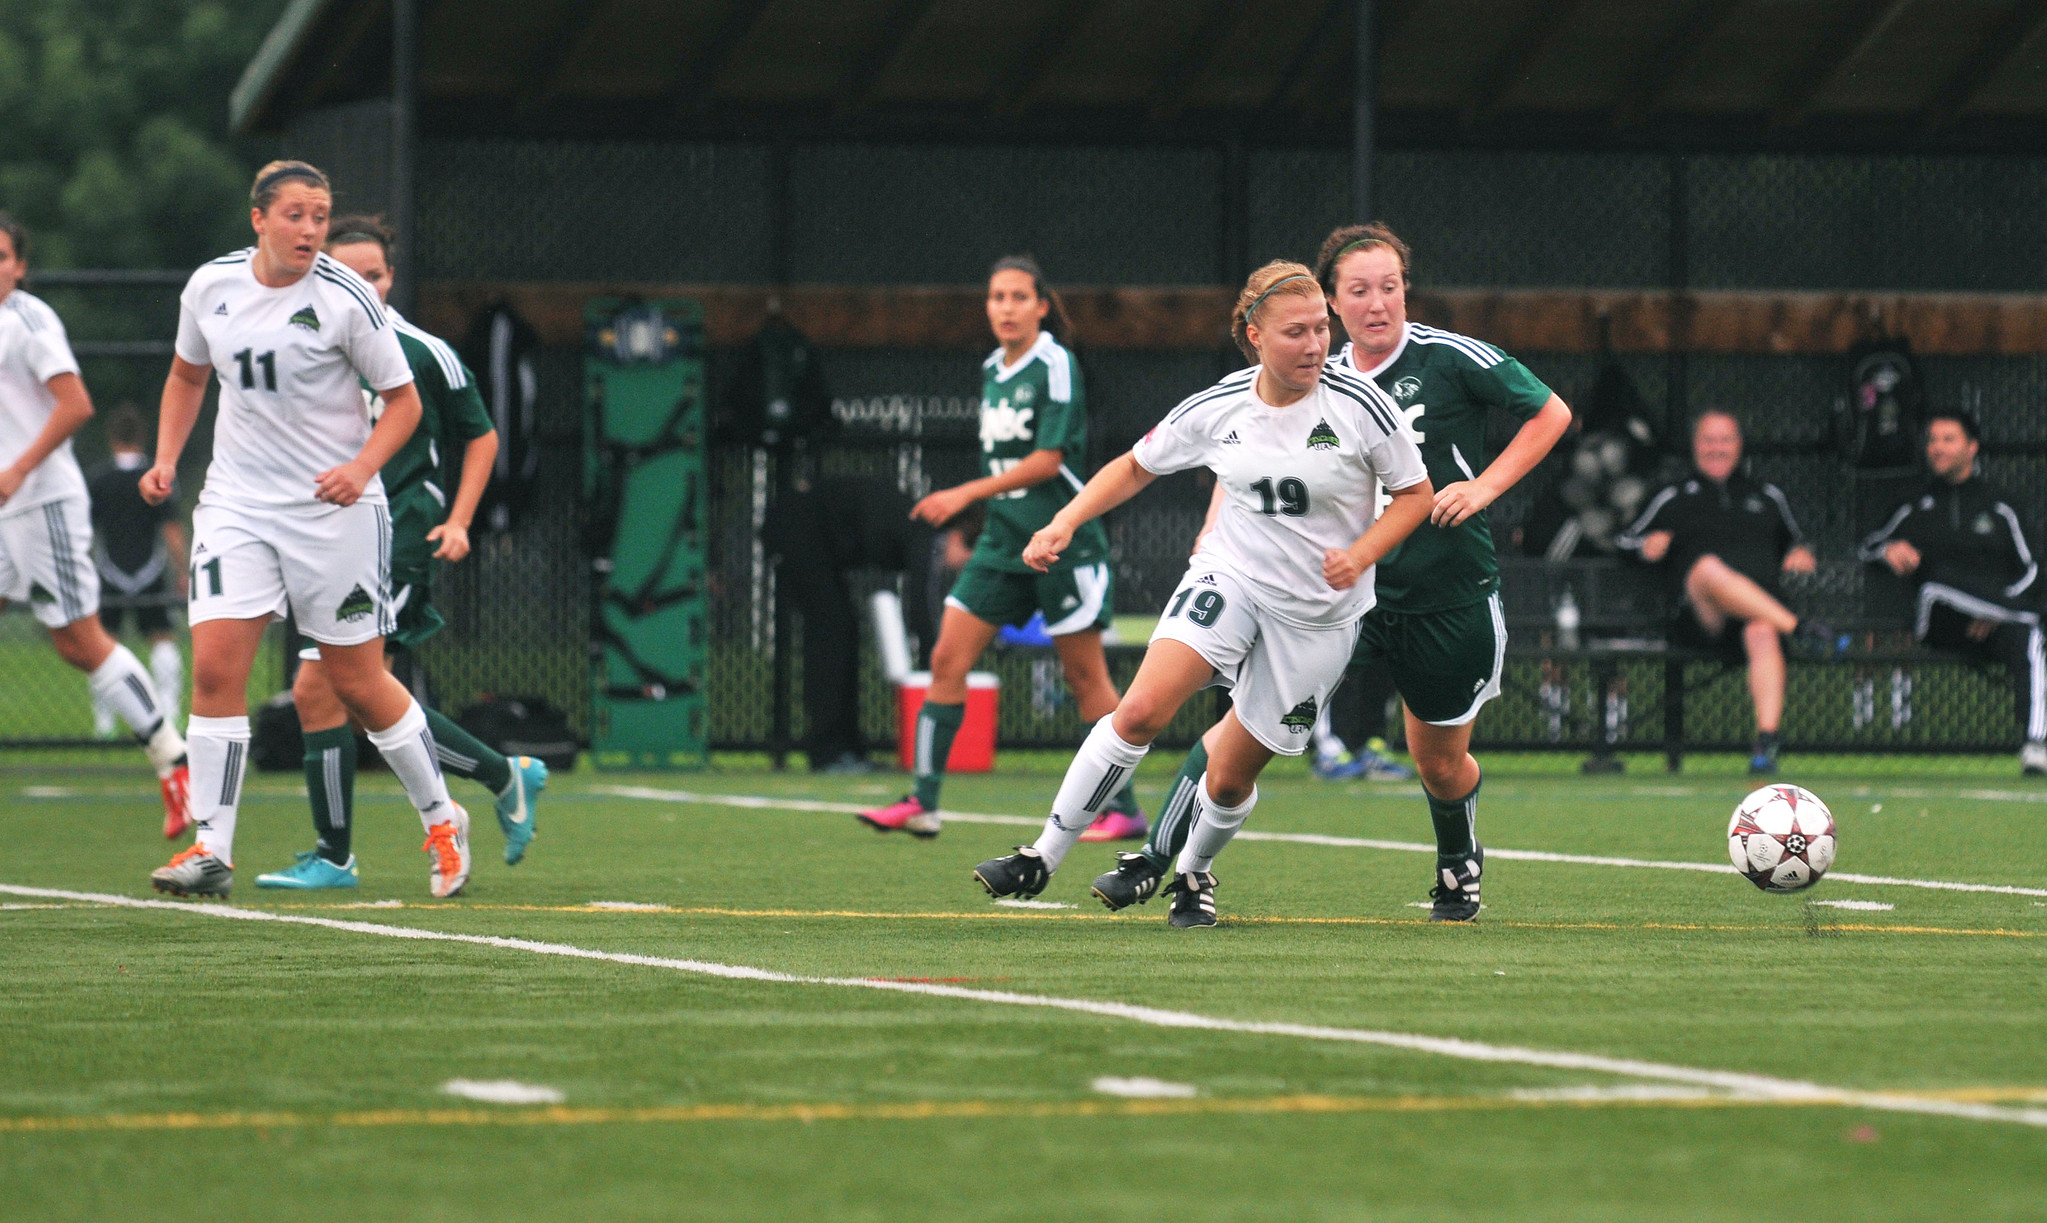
{"x":1116,"y":826}
{"x":906,"y":814}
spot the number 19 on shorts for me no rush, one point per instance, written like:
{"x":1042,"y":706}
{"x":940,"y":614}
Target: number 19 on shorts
{"x":1202,"y":607}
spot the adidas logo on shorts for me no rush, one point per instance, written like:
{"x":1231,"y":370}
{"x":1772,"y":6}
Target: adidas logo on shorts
{"x":1206,"y":579}
{"x":221,"y":309}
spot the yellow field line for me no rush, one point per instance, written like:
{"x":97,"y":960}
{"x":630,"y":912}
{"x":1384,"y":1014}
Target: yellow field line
{"x":934,"y":1110}
{"x":1015,"y":915}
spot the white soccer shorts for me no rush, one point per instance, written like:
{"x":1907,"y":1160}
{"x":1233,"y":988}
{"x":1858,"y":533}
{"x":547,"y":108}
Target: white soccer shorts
{"x":1279,"y":674}
{"x":46,"y":561}
{"x":330,"y":568}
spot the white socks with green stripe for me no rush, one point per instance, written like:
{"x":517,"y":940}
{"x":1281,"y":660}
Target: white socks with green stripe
{"x":123,"y":686}
{"x":1214,"y":825}
{"x":408,"y":747}
{"x":219,"y":750}
{"x":1101,"y":767}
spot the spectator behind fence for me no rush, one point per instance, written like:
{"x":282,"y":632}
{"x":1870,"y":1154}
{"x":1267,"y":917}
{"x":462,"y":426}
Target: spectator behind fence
{"x":139,"y":550}
{"x":1962,"y":544}
{"x":1725,"y":538}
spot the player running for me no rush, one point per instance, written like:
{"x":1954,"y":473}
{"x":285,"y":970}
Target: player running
{"x":1272,"y":599}
{"x":1033,"y":434}
{"x":46,"y":520}
{"x":453,"y":419}
{"x":293,"y":516}
{"x":1438,"y":621}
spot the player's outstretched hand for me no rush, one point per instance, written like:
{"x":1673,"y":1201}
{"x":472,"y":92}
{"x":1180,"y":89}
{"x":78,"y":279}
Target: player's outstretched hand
{"x":1043,"y":551}
{"x":1459,"y":501}
{"x":454,"y":541}
{"x":158,"y":482}
{"x":941,"y":507}
{"x":342,"y":485}
{"x":1340,"y":569}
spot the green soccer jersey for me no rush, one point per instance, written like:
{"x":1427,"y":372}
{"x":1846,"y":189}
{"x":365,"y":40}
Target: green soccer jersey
{"x":1036,"y":404}
{"x":416,"y":480}
{"x":1444,"y":384}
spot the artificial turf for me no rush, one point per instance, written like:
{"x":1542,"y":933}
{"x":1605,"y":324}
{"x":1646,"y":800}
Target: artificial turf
{"x":160,"y":1063}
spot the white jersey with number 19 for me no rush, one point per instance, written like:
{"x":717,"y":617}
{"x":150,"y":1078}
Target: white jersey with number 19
{"x":291,"y":363}
{"x":1298,"y":480}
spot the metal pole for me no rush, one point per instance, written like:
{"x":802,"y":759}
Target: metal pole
{"x":1364,"y":112}
{"x":404,"y":133}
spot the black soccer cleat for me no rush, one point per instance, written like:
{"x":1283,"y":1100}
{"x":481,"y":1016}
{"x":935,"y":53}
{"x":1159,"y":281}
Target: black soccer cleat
{"x":1456,"y":890}
{"x":1817,"y":641}
{"x":1134,"y":881}
{"x":1193,"y":901}
{"x":1022,"y":874}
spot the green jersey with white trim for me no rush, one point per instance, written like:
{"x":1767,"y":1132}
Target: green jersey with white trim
{"x":1444,"y":383}
{"x":417,"y":479}
{"x":1036,"y":404}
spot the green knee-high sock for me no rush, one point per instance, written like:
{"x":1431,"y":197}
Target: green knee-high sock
{"x":1456,"y":822}
{"x":936,"y":725}
{"x":1176,"y":816}
{"x":465,"y":755}
{"x":330,"y":784}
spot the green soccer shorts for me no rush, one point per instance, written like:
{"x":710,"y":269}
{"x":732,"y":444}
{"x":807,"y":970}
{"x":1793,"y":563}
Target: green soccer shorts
{"x":1074,"y":598}
{"x":1446,"y":664}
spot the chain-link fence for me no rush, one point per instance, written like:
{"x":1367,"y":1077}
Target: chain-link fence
{"x":752,"y":213}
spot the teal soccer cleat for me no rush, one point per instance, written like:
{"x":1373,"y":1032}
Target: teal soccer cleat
{"x":310,"y":873}
{"x":515,"y":806}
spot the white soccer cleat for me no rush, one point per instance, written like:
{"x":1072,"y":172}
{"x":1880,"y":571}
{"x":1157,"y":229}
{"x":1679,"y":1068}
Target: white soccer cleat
{"x":447,"y":849}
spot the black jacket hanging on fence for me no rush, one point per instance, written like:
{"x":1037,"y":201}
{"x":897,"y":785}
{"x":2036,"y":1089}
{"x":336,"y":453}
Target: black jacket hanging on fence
{"x":500,"y":347}
{"x":1973,"y":551}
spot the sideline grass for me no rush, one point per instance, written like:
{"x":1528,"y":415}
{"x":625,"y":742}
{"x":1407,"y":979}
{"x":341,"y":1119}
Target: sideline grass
{"x":938,"y":1108}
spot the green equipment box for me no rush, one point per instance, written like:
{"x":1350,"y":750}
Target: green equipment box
{"x":644,"y":503}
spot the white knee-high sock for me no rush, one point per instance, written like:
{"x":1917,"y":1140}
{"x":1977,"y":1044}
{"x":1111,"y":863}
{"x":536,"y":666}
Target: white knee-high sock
{"x":123,"y":686}
{"x":220,"y":752}
{"x":1101,"y":767}
{"x":167,"y":667}
{"x":1215,"y":824}
{"x":408,"y":747}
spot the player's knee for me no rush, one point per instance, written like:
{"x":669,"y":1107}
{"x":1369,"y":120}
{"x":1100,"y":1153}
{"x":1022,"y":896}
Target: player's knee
{"x":1229,"y":792}
{"x":214,"y":679}
{"x":1439,"y":770}
{"x":1761,"y":639}
{"x":1139,"y":718}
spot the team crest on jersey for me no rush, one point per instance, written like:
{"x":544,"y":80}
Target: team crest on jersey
{"x":357,"y":605}
{"x":1024,"y":393}
{"x":1301,"y":718}
{"x":1322,"y":437}
{"x":305,"y":318}
{"x":1983,"y":525}
{"x":1753,"y":505}
{"x":1407,"y":388}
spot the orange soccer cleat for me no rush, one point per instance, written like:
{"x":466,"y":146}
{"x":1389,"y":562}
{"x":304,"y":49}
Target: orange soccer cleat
{"x":177,"y":801}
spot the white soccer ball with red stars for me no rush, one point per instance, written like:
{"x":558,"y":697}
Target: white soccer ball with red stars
{"x":1781,"y":838}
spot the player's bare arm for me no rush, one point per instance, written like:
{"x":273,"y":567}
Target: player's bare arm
{"x":1532,"y":442}
{"x":183,"y":392}
{"x":1409,"y":507}
{"x":344,"y":485}
{"x":453,"y":535}
{"x":946,"y":504}
{"x":1118,"y":481}
{"x":74,"y":408}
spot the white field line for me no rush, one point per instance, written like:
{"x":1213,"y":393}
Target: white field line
{"x":1757,"y":1086}
{"x":1306,"y":838}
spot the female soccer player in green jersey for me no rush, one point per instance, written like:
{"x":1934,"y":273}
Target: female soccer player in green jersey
{"x":1438,"y":622}
{"x":1033,"y":438}
{"x":428,"y":524}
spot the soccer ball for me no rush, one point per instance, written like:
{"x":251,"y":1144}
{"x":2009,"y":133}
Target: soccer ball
{"x":1781,"y":838}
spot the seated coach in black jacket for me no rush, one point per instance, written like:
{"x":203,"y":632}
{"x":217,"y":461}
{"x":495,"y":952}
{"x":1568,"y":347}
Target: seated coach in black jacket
{"x":1961,"y":543}
{"x":1725,"y":538}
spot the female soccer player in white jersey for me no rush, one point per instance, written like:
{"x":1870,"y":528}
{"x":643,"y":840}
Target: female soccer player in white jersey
{"x":1033,"y":435}
{"x":46,"y":519}
{"x":1438,"y":623}
{"x":1270,"y":604}
{"x":293,"y":515}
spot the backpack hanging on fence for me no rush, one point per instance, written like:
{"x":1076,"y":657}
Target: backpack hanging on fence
{"x":1877,"y":424}
{"x":499,"y":349}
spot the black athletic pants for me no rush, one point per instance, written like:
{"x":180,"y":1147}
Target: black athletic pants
{"x":2016,"y":645}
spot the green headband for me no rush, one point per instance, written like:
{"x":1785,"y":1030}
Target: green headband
{"x":1260,"y":299}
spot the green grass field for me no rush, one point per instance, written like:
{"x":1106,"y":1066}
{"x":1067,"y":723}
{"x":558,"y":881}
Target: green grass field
{"x":910,"y":1051}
